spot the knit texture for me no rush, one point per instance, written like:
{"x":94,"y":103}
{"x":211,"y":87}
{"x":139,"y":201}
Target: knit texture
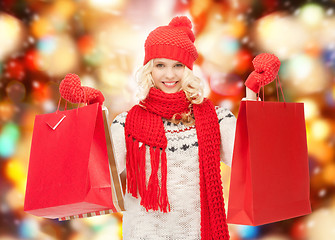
{"x":266,"y":69}
{"x":213,"y":218}
{"x":71,"y":90}
{"x":144,"y":124}
{"x":175,"y":41}
{"x":213,"y":224}
{"x":183,"y":181}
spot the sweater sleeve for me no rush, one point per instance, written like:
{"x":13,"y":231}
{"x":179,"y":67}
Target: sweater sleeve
{"x":227,"y":122}
{"x":119,"y":142}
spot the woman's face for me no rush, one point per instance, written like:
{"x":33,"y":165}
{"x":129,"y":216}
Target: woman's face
{"x":167,"y":74}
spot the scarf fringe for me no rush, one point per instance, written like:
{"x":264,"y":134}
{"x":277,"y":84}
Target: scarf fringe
{"x":163,"y":200}
{"x":142,"y":172}
{"x":153,"y":185}
{"x":154,"y":196}
{"x":130,"y":165}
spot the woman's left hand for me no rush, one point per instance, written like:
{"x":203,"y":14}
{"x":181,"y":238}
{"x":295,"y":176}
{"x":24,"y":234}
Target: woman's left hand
{"x":266,"y":69}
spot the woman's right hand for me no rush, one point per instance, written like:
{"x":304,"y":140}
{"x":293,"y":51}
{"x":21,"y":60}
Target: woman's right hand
{"x":71,"y":90}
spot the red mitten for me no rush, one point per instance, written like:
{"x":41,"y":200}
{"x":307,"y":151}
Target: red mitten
{"x":70,"y":89}
{"x":266,"y":69}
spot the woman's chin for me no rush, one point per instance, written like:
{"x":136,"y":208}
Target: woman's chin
{"x":169,"y":90}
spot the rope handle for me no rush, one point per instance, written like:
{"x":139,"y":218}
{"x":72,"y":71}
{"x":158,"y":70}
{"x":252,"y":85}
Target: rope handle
{"x":277,"y":81}
{"x":65,"y":107}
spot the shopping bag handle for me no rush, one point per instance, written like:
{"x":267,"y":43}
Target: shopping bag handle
{"x":65,"y":107}
{"x":60,"y":99}
{"x":277,"y":80}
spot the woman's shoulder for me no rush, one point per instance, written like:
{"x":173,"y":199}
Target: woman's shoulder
{"x":120,"y":119}
{"x":223,"y":113}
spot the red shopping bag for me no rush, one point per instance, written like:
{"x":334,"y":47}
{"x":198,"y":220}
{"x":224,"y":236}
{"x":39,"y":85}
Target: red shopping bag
{"x":269,"y":178}
{"x":69,"y":171}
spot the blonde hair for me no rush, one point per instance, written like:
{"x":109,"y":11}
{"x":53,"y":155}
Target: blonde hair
{"x":190,"y":84}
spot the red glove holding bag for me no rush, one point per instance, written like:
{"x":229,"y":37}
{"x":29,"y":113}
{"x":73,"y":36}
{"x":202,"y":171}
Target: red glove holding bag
{"x":266,"y":69}
{"x":71,"y":90}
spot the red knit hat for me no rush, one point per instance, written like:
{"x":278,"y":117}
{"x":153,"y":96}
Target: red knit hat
{"x":174,"y":41}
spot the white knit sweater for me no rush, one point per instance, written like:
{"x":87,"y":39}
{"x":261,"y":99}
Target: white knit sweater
{"x":183,"y":189}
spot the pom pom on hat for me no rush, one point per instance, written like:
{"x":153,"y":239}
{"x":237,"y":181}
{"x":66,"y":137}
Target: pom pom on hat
{"x":181,"y":22}
{"x":185,"y":23}
{"x":174,"y":41}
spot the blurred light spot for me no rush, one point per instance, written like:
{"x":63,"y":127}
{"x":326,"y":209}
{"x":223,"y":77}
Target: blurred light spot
{"x":47,"y":45}
{"x":11,"y":130}
{"x":8,"y":140}
{"x":248,"y":232}
{"x":12,"y":29}
{"x":115,"y":79}
{"x":88,"y":80}
{"x":326,"y":33}
{"x":229,"y":45}
{"x":317,"y":170}
{"x":311,"y":108}
{"x":41,"y":92}
{"x":310,"y":223}
{"x":28,"y":229}
{"x":4,"y":208}
{"x":6,"y":111}
{"x":14,"y":68}
{"x":199,"y":6}
{"x":15,"y":172}
{"x":104,"y":5}
{"x":329,"y":173}
{"x":312,"y":14}
{"x":323,"y":228}
{"x":64,"y":8}
{"x":320,"y":129}
{"x":301,"y":67}
{"x":330,"y":11}
{"x":269,"y":37}
{"x":49,"y":106}
{"x":41,"y":27}
{"x":59,"y":55}
{"x":16,"y":91}
{"x":322,"y":193}
{"x":36,"y":84}
{"x":162,"y":9}
{"x":111,"y":230}
{"x":219,"y":51}
{"x":32,"y":60}
{"x":306,"y":75}
{"x":15,"y":199}
{"x":226,"y":84}
{"x":98,"y":221}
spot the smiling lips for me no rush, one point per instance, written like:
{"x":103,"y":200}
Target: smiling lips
{"x":170,"y":84}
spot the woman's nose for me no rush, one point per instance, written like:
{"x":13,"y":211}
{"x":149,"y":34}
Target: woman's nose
{"x":169,"y":72}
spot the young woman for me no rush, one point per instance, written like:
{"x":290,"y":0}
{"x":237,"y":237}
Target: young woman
{"x":171,"y":145}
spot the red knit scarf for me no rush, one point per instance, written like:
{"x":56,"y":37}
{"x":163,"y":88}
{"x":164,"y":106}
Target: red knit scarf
{"x":144,"y":124}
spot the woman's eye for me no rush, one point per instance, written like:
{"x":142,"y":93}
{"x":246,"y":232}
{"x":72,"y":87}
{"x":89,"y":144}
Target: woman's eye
{"x":179,"y":65}
{"x":159,"y":65}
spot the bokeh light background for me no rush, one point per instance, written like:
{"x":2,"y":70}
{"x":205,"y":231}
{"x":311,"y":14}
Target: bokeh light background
{"x":102,"y":41}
